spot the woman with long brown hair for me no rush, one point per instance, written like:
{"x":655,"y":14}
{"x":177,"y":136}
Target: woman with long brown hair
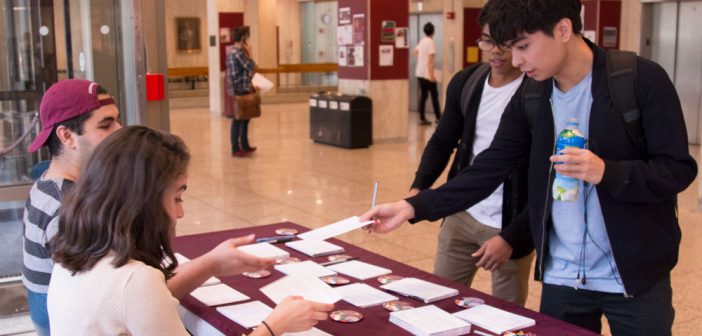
{"x":113,"y":252}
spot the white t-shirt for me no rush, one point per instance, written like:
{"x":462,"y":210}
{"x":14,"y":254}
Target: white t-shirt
{"x":130,"y":300}
{"x":424,"y":48}
{"x":492,"y":104}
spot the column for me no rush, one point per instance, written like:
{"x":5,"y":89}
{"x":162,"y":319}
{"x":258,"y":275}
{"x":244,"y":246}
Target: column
{"x":372,"y":62}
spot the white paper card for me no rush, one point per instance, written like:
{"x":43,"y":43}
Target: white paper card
{"x":429,"y":320}
{"x":262,"y":83}
{"x":209,"y":282}
{"x":218,"y":294}
{"x":334,"y":105}
{"x":308,"y":287}
{"x":359,"y":270}
{"x":494,"y":319}
{"x":420,"y":289}
{"x":264,"y":250}
{"x":313,"y":102}
{"x":247,"y":315}
{"x":315,"y":248}
{"x":307,"y":267}
{"x":334,"y":229}
{"x":344,"y":106}
{"x":323,"y":104}
{"x":361,"y":295}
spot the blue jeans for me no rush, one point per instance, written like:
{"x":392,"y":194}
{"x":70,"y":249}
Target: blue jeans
{"x":38,"y":312}
{"x":648,"y":313}
{"x":239,"y":133}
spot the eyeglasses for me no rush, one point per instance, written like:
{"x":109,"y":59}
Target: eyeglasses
{"x":488,"y":44}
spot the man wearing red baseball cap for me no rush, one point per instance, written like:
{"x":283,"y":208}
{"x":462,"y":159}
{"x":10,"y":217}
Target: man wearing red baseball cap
{"x":75,"y":116}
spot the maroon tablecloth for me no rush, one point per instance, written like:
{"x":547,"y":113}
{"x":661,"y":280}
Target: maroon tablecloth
{"x":375,"y":320}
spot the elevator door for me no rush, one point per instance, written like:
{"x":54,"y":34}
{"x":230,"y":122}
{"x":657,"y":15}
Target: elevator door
{"x":670,"y":36}
{"x":416,"y":33}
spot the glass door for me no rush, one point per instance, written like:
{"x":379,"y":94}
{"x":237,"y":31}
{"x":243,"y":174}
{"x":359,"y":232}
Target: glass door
{"x":26,"y":70}
{"x":45,"y":41}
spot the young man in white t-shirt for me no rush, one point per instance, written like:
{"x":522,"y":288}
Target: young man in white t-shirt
{"x":425,"y":51}
{"x":471,"y":235}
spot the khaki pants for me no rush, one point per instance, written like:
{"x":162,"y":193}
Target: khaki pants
{"x":459,"y":237}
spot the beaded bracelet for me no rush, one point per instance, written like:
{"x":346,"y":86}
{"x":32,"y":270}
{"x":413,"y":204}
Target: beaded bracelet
{"x":268,"y":327}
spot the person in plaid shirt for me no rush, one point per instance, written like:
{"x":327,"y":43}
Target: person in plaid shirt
{"x":240,"y":70}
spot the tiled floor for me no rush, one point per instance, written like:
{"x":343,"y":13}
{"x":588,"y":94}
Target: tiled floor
{"x":291,"y":178}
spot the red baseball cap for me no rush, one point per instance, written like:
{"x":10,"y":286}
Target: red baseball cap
{"x":65,"y":100}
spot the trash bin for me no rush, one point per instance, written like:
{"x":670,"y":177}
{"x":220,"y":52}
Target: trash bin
{"x":341,"y":120}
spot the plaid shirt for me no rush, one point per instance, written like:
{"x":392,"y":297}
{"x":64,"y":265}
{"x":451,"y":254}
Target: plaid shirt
{"x":240,"y":70}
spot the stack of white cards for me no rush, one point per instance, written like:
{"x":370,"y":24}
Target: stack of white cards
{"x":494,"y":319}
{"x":359,"y":269}
{"x":363,"y":296}
{"x":315,"y":248}
{"x":264,"y":250}
{"x":218,"y":294}
{"x":420,"y":289}
{"x":307,"y":267}
{"x":429,"y":321}
{"x":309,"y":287}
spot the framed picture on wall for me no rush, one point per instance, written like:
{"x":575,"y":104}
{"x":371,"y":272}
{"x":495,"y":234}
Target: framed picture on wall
{"x":188,"y":34}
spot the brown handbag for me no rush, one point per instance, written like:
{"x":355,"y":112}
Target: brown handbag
{"x":247,"y":106}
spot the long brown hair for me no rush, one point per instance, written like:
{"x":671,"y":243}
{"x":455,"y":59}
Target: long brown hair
{"x":117,"y":203}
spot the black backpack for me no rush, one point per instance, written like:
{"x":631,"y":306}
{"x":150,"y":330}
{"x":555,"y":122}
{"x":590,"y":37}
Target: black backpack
{"x":621,"y":79}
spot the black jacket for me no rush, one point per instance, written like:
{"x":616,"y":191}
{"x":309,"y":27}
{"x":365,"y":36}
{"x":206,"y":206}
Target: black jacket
{"x":637,"y":192}
{"x":458,"y":132}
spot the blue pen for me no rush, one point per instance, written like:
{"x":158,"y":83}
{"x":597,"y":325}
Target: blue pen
{"x":275,"y":239}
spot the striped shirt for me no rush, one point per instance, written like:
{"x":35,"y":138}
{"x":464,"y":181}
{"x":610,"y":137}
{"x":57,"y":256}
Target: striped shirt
{"x":40,"y":225}
{"x":240,"y":69}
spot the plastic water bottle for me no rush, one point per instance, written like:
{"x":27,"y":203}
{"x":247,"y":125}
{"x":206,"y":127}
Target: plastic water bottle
{"x":567,"y":188}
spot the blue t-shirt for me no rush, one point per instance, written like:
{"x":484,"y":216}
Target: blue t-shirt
{"x":578,"y":242}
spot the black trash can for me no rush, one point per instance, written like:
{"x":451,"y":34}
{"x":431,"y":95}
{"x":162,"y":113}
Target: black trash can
{"x":341,"y":120}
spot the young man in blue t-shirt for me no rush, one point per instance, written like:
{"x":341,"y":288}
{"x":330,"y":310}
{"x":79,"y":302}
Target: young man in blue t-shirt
{"x":611,"y":251}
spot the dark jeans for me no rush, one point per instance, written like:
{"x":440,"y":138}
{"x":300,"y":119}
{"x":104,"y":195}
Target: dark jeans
{"x":427,"y":86}
{"x":648,"y":313}
{"x":239,"y":133}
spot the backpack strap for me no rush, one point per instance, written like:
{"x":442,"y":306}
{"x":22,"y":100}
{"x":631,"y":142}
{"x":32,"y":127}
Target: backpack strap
{"x":621,"y":75}
{"x":531,"y":98}
{"x":471,"y":84}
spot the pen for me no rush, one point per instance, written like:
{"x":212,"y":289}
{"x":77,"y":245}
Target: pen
{"x":375,"y":194}
{"x":329,"y":263}
{"x":375,"y":197}
{"x":275,"y":239}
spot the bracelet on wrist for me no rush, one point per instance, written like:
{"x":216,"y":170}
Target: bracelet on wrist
{"x":268,"y":327}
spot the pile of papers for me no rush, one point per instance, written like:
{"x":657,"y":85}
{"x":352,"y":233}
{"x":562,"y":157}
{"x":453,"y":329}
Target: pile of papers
{"x":494,"y":319}
{"x":218,"y":294}
{"x":310,"y":288}
{"x":264,"y":250}
{"x":363,"y":296}
{"x":359,"y":269}
{"x":421,"y":290}
{"x":315,"y":248}
{"x":429,"y":321}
